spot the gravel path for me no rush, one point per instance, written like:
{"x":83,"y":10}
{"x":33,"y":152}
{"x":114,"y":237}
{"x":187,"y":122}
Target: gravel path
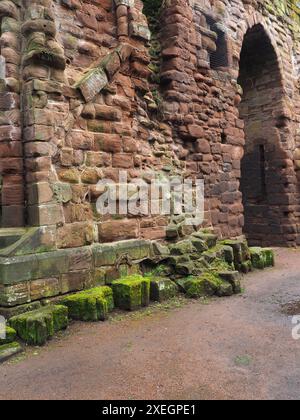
{"x":232,"y":348}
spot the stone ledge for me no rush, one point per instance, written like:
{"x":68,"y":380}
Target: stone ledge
{"x":9,"y":350}
{"x":28,"y":278}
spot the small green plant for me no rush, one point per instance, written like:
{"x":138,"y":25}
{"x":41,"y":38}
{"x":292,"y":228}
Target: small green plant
{"x":244,"y":360}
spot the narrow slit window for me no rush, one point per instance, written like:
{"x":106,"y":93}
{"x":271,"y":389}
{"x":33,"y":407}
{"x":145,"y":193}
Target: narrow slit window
{"x":262,"y":159}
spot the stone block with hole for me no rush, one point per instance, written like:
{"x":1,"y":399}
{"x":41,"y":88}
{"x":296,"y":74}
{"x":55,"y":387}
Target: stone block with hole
{"x":90,"y":305}
{"x":38,"y":326}
{"x":131,"y":292}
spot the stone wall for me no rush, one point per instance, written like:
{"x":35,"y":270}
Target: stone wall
{"x":97,"y":96}
{"x":202,"y":102}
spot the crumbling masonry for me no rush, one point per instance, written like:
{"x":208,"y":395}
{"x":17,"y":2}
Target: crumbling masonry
{"x":202,"y":88}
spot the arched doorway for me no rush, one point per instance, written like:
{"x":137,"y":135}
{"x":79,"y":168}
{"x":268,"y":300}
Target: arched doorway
{"x":264,"y":170}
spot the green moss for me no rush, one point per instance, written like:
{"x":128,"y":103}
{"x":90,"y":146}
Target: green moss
{"x":8,"y":350}
{"x":257,"y":258}
{"x":4,"y":347}
{"x":269,"y":257}
{"x":241,"y":252}
{"x":220,"y":265}
{"x":160,"y":271}
{"x":196,"y":287}
{"x":246,"y":267}
{"x":131,"y":292}
{"x":208,"y":284}
{"x":182,"y":248}
{"x":10,"y":336}
{"x":90,"y":305}
{"x":38,"y":326}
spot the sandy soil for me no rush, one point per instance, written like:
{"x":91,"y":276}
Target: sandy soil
{"x":232,"y":348}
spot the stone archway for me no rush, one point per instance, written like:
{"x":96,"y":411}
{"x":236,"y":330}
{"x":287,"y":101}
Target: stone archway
{"x":267,"y":191}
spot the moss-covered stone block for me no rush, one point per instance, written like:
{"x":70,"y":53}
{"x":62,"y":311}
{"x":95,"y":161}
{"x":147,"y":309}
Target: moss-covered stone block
{"x":209,"y":238}
{"x":224,"y":289}
{"x":257,"y":258}
{"x":228,"y":254}
{"x":246,"y":267}
{"x":233,"y":278}
{"x":131,"y":292}
{"x":172,"y":232}
{"x":185,"y":268}
{"x":38,"y":326}
{"x":199,"y":244}
{"x":241,"y":251}
{"x":269,"y":257}
{"x":162,"y":289}
{"x":10,"y":336}
{"x":182,"y":248}
{"x":204,"y":286}
{"x":90,"y":305}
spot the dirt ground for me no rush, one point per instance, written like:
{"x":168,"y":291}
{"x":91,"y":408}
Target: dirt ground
{"x":232,"y":348}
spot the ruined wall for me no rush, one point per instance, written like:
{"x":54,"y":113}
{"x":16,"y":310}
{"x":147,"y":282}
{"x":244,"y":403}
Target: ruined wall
{"x":202,"y":99}
{"x":80,"y":71}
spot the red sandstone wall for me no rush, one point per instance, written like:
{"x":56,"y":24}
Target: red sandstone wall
{"x":70,"y":143}
{"x":203,"y":103}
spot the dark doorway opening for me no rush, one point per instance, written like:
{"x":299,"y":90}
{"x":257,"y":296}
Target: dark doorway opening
{"x":264,"y":182}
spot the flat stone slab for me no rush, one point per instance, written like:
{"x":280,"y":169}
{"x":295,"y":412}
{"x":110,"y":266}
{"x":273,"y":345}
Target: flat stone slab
{"x":90,"y":305}
{"x":38,"y":326}
{"x":9,"y":350}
